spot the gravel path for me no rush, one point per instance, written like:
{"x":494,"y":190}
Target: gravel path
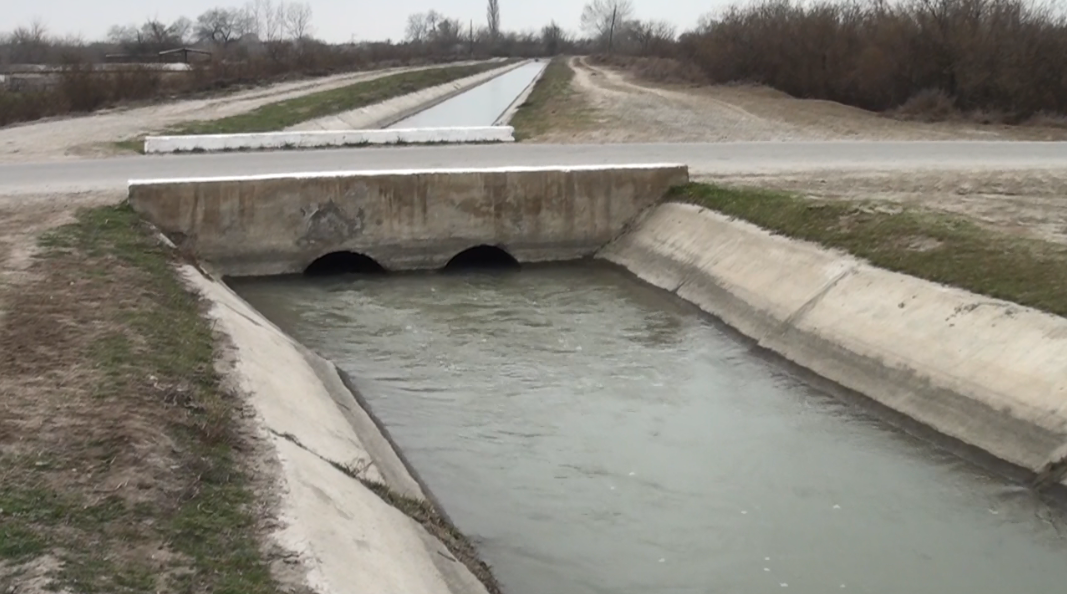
{"x":92,"y":135}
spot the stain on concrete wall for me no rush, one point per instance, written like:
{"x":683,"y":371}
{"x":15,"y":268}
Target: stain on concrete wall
{"x":406,"y":220}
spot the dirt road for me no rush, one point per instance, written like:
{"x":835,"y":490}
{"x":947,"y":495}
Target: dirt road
{"x":1018,"y":200}
{"x":634,"y":111}
{"x":93,"y":135}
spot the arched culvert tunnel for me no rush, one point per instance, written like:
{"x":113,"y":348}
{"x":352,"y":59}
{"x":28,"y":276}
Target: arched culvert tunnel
{"x":344,"y":263}
{"x":483,"y":257}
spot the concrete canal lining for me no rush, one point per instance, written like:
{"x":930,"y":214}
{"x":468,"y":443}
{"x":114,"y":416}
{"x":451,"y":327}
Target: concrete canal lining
{"x":391,"y":111}
{"x":403,"y":219}
{"x":988,"y":373}
{"x":357,"y":127}
{"x":342,"y":534}
{"x":985,"y":372}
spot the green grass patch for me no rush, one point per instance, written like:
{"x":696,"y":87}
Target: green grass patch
{"x":938,"y":247}
{"x":145,"y":463}
{"x":130,"y":145}
{"x":552,"y":105}
{"x":278,"y":116}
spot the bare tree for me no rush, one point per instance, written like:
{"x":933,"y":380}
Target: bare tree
{"x":552,"y":38}
{"x":267,"y":19}
{"x":223,"y":25}
{"x":430,"y":26}
{"x":297,"y":21}
{"x":433,"y":20}
{"x":706,"y":22}
{"x":600,"y":18}
{"x":492,"y":15}
{"x":181,"y":30}
{"x":256,"y":12}
{"x":417,"y":28}
{"x":30,"y":44}
{"x":448,"y":31}
{"x":152,"y":36}
{"x":647,"y":35}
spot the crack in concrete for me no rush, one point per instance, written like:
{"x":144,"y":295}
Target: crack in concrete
{"x":1054,"y":472}
{"x":356,"y":472}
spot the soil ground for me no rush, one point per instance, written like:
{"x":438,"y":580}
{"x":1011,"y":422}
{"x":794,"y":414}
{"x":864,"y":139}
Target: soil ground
{"x":126,"y":462}
{"x":601,"y":105}
{"x":629,"y":110}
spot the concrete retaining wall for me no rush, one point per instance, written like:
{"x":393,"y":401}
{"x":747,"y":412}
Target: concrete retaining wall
{"x":344,"y":536}
{"x":389,"y":112}
{"x":406,"y":220}
{"x":322,"y":139}
{"x":989,"y":373}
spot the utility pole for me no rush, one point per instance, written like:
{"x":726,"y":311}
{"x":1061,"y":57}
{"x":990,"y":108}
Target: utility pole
{"x":611,"y":32}
{"x":472,"y":37}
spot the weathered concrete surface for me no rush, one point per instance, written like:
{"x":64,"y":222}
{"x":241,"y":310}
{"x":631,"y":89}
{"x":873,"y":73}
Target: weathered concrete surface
{"x":989,"y":373}
{"x":387,"y":113}
{"x":406,"y":220}
{"x":346,"y":537}
{"x":325,"y":138}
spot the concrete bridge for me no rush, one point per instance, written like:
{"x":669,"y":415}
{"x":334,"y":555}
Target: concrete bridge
{"x":401,"y":219}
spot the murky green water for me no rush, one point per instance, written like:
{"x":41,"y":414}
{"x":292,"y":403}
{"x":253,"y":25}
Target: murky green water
{"x":593,"y":434}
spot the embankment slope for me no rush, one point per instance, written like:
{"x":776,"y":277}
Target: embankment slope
{"x":988,"y":373}
{"x":345,"y":536}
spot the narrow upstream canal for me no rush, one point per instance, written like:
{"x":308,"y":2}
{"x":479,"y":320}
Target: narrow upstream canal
{"x":593,"y":434}
{"x":480,"y":106}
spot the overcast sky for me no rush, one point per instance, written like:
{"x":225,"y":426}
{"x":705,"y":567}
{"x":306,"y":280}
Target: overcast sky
{"x":333,"y":20}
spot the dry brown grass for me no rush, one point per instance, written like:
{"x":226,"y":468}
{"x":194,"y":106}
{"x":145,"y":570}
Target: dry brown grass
{"x":81,"y":87}
{"x":1000,"y":59}
{"x":652,"y":69}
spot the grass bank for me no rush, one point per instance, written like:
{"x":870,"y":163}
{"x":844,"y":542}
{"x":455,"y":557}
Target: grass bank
{"x":119,"y":447}
{"x":278,"y":116}
{"x":938,"y":247}
{"x":552,"y":105}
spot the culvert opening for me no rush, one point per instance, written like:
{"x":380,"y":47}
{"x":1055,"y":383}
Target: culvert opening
{"x":482,"y":257}
{"x":343,"y":263}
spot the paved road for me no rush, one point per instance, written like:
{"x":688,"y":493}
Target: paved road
{"x":703,"y":159}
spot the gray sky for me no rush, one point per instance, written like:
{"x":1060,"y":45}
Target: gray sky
{"x":333,"y":20}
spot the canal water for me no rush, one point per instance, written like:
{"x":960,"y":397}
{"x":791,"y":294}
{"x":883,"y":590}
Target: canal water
{"x":480,"y":106}
{"x":593,"y":434}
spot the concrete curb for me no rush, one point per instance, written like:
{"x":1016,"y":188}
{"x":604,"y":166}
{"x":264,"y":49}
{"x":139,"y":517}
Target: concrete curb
{"x":325,"y":138}
{"x":984,"y":372}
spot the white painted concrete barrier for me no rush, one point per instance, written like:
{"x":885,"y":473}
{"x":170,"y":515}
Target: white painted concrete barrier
{"x":325,"y":138}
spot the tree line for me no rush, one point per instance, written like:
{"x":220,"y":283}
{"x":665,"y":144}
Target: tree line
{"x":999,"y":59}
